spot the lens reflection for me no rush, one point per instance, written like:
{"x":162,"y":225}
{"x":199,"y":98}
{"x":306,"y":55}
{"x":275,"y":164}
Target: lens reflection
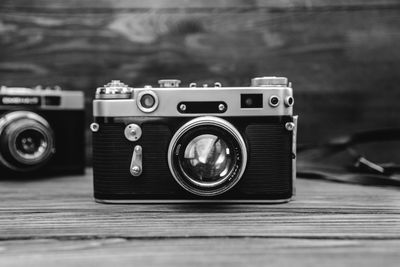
{"x":31,"y":144}
{"x":207,"y":158}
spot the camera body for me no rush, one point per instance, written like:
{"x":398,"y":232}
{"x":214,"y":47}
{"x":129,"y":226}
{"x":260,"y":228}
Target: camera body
{"x":182,"y":144}
{"x":41,"y":132}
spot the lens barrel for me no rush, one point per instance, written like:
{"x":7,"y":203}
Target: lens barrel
{"x":26,"y":141}
{"x":207,"y":156}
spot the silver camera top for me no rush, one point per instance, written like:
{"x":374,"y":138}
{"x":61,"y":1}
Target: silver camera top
{"x":40,"y":97}
{"x":266,"y":96}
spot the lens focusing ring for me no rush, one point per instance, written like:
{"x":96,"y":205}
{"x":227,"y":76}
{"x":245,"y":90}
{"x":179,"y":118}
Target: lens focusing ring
{"x":13,"y":127}
{"x":196,"y":187}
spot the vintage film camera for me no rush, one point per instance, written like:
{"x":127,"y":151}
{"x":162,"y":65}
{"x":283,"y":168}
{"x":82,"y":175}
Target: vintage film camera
{"x":178,"y":144}
{"x":41,"y":132}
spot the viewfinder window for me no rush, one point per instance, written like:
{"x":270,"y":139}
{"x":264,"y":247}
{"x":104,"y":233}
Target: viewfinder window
{"x":251,"y":100}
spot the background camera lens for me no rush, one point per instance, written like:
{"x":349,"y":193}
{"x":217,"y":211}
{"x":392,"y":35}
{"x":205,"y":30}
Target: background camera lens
{"x":30,"y":143}
{"x":26,"y":141}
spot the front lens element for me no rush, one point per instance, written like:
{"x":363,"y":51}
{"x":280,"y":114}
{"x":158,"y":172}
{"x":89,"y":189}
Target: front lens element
{"x":31,"y":144}
{"x":26,"y":141}
{"x":207,"y":158}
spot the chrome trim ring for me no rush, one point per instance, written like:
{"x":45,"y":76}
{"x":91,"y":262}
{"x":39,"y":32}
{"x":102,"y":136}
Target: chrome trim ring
{"x":207,"y":184}
{"x":207,"y":121}
{"x":139,"y":98}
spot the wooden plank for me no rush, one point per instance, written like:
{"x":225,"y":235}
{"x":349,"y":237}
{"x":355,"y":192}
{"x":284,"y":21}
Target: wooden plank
{"x":54,"y":221}
{"x":200,"y":252}
{"x":192,"y":4}
{"x":64,"y":208}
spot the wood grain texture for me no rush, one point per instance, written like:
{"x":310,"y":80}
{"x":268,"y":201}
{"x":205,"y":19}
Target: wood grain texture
{"x":342,"y":56}
{"x":49,"y":222}
{"x":63,"y":207}
{"x":200,"y":252}
{"x":205,"y":4}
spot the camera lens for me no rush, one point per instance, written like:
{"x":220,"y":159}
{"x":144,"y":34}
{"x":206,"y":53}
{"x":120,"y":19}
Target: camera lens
{"x":207,"y":160}
{"x":30,"y":144}
{"x":207,"y":156}
{"x":26,"y":141}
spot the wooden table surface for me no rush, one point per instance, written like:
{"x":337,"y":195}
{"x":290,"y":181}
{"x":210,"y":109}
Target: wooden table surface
{"x":55,"y":222}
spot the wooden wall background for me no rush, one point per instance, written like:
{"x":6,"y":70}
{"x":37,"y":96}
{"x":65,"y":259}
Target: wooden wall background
{"x":343,"y":57}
